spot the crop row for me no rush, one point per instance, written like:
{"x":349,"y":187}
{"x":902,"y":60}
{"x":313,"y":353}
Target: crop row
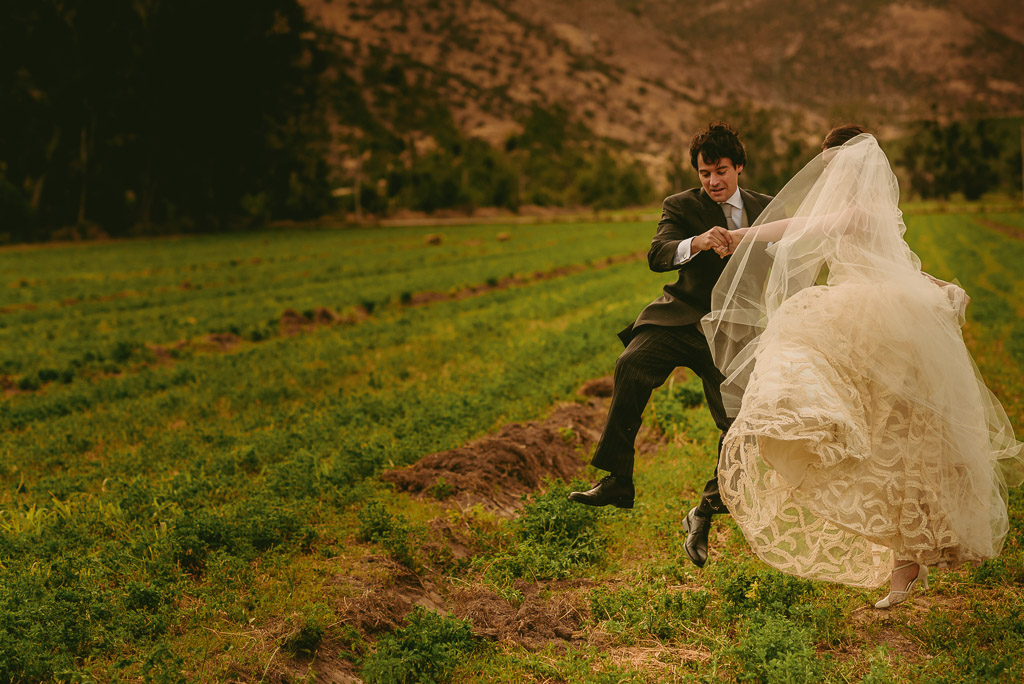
{"x":81,"y":322}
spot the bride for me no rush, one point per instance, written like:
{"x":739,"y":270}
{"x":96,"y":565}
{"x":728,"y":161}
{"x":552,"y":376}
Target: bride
{"x":865,"y":442}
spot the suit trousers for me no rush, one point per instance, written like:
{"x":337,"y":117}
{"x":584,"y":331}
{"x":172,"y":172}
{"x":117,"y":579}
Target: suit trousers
{"x":648,"y":360}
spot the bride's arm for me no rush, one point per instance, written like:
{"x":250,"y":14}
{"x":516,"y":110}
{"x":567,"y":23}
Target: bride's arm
{"x":766,"y":232}
{"x":774,"y":230}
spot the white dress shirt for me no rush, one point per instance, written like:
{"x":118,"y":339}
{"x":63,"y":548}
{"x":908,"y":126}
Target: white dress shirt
{"x":734,"y":205}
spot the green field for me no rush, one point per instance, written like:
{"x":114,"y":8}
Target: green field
{"x":195,"y":430}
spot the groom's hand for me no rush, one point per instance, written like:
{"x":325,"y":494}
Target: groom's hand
{"x":718,"y":239}
{"x":734,"y":240}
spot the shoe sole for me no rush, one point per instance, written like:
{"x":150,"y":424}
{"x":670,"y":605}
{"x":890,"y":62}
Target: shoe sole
{"x":618,"y":503}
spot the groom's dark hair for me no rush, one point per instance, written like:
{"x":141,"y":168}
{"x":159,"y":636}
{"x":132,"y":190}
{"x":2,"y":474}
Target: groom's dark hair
{"x":716,"y":141}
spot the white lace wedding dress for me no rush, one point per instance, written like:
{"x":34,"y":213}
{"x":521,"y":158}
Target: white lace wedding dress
{"x":863,"y":429}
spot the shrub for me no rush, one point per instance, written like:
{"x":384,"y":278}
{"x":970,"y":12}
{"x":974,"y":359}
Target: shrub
{"x":378,"y":525}
{"x":647,"y":610}
{"x":774,"y":649}
{"x":310,"y":633}
{"x":441,"y":489}
{"x":766,"y":591}
{"x":48,"y":374}
{"x":555,"y":536}
{"x":669,"y":406}
{"x":426,"y":650}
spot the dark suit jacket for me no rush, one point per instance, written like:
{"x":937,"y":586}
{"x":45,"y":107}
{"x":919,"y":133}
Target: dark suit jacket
{"x":687,"y":300}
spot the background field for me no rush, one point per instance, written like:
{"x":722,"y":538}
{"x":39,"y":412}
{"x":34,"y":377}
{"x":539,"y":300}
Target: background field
{"x":194,"y":433}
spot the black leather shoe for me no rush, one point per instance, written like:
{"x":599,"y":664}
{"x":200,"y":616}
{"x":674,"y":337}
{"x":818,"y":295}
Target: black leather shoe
{"x":696,"y":545}
{"x":609,"y":491}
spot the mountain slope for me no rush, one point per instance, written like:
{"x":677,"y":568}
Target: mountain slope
{"x":642,"y":75}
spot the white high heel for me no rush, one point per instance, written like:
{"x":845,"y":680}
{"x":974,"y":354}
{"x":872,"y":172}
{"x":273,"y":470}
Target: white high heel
{"x":895,"y":596}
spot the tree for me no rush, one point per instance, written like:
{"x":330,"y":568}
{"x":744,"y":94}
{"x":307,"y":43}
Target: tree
{"x":135,"y":112}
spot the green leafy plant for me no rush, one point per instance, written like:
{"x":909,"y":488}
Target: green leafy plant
{"x":635,"y":612}
{"x":762,"y":590}
{"x":378,"y":525}
{"x":427,"y":649}
{"x":669,"y":406}
{"x":553,"y":537}
{"x":441,"y":489}
{"x":773,"y":649}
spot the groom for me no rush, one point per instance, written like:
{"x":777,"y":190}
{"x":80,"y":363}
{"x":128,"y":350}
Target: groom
{"x":667,"y":333}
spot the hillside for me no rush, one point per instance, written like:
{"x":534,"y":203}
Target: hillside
{"x":642,"y":76}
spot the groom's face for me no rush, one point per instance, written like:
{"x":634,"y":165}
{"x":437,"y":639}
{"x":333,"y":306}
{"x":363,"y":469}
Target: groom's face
{"x":718,"y":176}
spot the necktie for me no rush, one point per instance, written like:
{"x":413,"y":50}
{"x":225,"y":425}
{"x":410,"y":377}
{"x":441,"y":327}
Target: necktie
{"x":727,"y":210}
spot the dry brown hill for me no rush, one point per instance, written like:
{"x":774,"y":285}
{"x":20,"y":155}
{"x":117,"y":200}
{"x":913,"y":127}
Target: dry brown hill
{"x":646,"y":73}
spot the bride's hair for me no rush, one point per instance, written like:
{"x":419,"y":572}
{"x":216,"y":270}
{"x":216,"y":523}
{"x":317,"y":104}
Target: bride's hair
{"x":842,"y":134}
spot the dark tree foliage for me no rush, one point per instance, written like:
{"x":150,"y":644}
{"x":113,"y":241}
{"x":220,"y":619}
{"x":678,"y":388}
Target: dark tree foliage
{"x":969,"y":158}
{"x":133,"y":114}
{"x":554,"y":161}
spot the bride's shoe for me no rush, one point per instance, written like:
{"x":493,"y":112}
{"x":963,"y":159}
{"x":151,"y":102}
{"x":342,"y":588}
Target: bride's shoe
{"x":897,"y":596}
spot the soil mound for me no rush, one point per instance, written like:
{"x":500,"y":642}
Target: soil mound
{"x":598,"y":387}
{"x":222,"y":341}
{"x":498,"y":469}
{"x":292,"y":322}
{"x":534,"y":623}
{"x":385,"y":607}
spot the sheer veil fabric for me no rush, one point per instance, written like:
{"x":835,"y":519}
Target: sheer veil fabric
{"x":863,"y":428}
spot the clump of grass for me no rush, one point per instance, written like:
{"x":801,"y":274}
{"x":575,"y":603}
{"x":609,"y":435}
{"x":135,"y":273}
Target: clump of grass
{"x":441,"y":489}
{"x":636,"y":612}
{"x":669,"y":406}
{"x":775,"y":649}
{"x":768,"y":593}
{"x":554,"y":537}
{"x":764,"y":591}
{"x":380,"y":526}
{"x":253,"y":526}
{"x":567,"y":434}
{"x":310,"y":633}
{"x":426,"y":650}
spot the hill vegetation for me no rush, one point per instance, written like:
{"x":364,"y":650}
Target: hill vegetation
{"x":150,"y":116}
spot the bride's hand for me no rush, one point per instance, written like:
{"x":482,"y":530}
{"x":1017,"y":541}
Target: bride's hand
{"x":734,"y":239}
{"x":718,"y":238}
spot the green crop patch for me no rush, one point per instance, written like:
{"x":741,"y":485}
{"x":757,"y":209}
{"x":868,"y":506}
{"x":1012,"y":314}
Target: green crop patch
{"x":192,"y":433}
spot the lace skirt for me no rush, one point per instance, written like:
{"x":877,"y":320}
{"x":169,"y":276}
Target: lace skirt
{"x":865,"y":432}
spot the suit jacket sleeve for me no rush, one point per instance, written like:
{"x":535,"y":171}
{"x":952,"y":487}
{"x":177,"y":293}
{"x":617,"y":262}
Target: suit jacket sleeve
{"x":672,"y":229}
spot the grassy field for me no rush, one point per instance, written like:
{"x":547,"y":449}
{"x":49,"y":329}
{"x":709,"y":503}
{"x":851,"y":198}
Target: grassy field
{"x":201,"y":436}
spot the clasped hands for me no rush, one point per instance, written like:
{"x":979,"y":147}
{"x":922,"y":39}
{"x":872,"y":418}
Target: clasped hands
{"x":719,"y":239}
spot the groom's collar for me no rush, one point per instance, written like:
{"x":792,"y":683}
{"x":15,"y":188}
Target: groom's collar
{"x":736,"y":200}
